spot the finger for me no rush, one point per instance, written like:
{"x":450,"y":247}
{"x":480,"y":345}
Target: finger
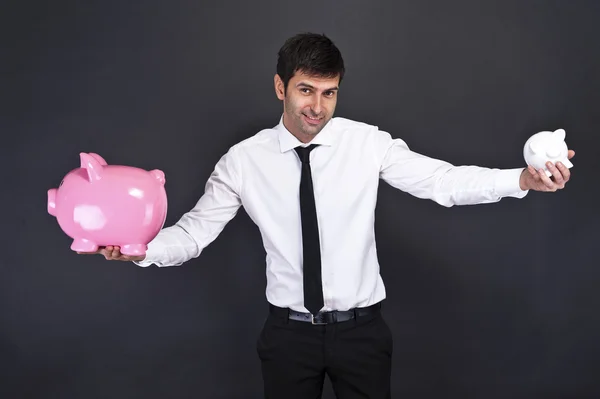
{"x":110,"y":253}
{"x":566,"y":173}
{"x":558,"y":177}
{"x":534,"y":173}
{"x":571,"y":154}
{"x":116,"y":253}
{"x":546,"y":180}
{"x":105,"y":253}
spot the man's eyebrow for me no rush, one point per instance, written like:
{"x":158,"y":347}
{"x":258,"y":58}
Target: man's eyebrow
{"x":304,"y":84}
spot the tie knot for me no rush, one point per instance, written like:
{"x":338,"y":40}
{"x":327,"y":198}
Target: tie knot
{"x":304,"y":152}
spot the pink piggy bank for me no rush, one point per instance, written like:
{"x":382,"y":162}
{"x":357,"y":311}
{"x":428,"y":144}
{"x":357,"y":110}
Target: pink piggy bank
{"x":99,"y":205}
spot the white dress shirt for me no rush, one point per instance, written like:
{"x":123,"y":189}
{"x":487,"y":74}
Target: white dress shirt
{"x":262,"y":173}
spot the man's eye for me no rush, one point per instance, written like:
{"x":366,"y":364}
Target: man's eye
{"x":329,"y":93}
{"x":305,"y":90}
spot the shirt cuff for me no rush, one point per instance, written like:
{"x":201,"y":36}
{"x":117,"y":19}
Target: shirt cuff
{"x":507,"y":183}
{"x":150,"y":258}
{"x":143,"y":263}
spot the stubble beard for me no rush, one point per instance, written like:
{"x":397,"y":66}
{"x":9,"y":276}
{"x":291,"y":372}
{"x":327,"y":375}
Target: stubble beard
{"x":299,"y":123}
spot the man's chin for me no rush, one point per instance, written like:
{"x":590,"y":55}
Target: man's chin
{"x":310,"y":128}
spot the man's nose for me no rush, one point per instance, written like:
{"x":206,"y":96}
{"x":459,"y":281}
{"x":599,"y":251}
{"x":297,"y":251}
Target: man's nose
{"x":316,"y":105}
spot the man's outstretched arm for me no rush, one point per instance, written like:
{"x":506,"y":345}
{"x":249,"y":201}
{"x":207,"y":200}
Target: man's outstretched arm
{"x":449,"y":185}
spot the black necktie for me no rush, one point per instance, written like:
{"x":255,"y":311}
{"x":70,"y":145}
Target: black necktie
{"x":313,"y":288}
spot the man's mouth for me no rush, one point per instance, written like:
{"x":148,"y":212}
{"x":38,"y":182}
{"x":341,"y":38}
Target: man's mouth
{"x":311,"y":120}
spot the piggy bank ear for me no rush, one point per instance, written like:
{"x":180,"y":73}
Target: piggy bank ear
{"x":559,"y":134}
{"x":536,"y":147}
{"x":92,"y":166}
{"x":158,"y":175}
{"x":98,"y":158}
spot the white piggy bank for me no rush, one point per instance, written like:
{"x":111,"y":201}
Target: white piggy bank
{"x":547,"y":146}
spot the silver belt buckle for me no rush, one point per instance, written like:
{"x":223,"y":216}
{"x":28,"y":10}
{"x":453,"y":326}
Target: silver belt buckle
{"x":312,"y":320}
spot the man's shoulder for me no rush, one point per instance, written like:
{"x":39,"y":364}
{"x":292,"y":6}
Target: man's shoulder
{"x":263,"y":137}
{"x":342,"y":123}
{"x":357,"y":131}
{"x":362,"y":133}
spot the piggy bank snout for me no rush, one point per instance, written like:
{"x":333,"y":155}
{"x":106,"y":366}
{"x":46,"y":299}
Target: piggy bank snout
{"x":52,"y":201}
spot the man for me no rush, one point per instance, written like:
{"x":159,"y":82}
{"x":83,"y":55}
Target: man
{"x":310,"y":185}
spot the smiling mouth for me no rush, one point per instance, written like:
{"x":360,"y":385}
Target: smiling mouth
{"x":311,"y":120}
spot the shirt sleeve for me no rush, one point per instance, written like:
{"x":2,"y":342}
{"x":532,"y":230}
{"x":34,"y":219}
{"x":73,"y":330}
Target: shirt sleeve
{"x":201,"y":225}
{"x":446,"y":184}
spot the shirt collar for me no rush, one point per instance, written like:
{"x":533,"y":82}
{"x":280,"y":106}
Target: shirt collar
{"x":287,"y":141}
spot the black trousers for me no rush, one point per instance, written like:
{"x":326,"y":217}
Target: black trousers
{"x":355,"y":354}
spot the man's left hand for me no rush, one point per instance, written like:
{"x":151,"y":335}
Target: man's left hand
{"x":537,"y":180}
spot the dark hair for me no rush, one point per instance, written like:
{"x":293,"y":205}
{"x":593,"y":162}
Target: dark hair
{"x":312,"y":54}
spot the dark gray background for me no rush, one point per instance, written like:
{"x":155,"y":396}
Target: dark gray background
{"x":488,"y":301}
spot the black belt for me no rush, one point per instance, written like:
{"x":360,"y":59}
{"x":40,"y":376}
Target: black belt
{"x":321,"y":318}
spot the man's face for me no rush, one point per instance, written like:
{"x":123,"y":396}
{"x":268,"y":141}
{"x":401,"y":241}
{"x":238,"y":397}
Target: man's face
{"x":309,"y":103}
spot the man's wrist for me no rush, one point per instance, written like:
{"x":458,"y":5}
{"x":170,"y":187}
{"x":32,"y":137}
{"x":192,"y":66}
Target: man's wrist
{"x":523,"y":184}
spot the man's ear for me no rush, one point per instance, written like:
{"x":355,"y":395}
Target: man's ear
{"x":279,"y":87}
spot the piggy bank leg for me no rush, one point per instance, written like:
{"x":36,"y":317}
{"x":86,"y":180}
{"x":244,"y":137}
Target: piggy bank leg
{"x":134,"y":249}
{"x":84,"y":245}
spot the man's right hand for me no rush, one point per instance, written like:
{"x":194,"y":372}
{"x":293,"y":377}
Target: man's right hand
{"x":113,"y":252}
